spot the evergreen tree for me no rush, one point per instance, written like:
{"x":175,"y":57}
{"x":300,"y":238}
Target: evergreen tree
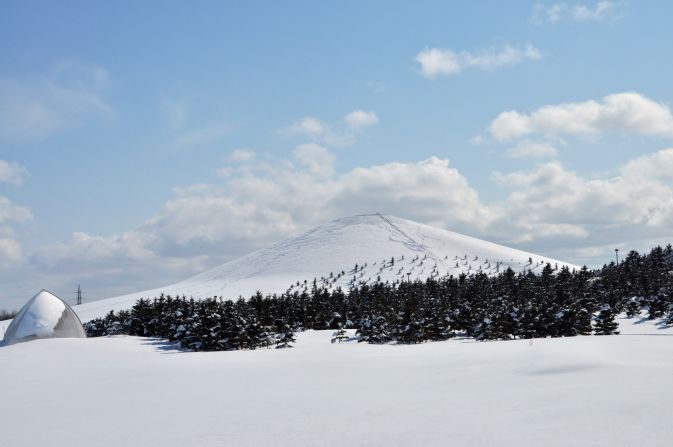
{"x":374,"y":330}
{"x":604,"y":321}
{"x":284,"y":335}
{"x":502,"y":306}
{"x":339,"y":335}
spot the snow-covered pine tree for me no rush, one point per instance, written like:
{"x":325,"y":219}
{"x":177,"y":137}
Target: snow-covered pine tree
{"x":374,"y":330}
{"x":604,"y":321}
{"x":340,"y":335}
{"x":284,"y":335}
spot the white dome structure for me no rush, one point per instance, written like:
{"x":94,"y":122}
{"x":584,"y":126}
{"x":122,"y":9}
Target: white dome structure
{"x":44,"y":316}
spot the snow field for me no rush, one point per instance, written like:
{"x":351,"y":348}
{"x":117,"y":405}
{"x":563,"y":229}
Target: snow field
{"x":580,"y":391}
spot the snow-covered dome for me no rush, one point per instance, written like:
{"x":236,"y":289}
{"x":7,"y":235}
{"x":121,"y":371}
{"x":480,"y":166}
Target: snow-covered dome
{"x":44,"y":316}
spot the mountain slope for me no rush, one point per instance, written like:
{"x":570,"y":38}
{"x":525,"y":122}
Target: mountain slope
{"x":382,"y":247}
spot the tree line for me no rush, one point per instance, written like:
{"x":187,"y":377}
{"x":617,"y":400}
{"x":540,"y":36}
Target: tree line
{"x":509,"y":305}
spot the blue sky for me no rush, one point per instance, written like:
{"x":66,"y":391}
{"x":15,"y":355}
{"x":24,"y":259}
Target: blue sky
{"x":142,"y":142}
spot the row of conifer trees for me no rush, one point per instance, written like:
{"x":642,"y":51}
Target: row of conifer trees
{"x":553,"y":303}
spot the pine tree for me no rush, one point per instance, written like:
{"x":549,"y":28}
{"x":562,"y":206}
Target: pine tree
{"x":339,"y":335}
{"x":604,"y":322}
{"x":374,"y":330}
{"x":284,"y":335}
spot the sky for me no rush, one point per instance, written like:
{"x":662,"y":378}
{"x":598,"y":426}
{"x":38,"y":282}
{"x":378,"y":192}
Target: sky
{"x":143,"y":142}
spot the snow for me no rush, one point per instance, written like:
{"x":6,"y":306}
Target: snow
{"x":41,"y":317}
{"x":581,"y":391}
{"x":44,"y":315}
{"x":420,"y":251}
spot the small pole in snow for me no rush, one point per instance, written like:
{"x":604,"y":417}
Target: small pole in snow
{"x":617,"y":255}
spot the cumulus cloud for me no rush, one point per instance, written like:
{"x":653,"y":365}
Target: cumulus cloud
{"x":631,"y":205}
{"x":262,"y":200}
{"x":430,"y":191}
{"x":10,"y":213}
{"x":558,"y":12}
{"x":656,"y":165}
{"x":12,"y":173}
{"x":315,"y":159}
{"x":624,"y":113}
{"x":531,"y":149}
{"x":32,"y":109}
{"x":359,"y":119}
{"x":434,"y":62}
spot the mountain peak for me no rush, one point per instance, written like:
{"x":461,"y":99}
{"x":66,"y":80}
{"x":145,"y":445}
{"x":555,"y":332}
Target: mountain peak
{"x":346,"y":252}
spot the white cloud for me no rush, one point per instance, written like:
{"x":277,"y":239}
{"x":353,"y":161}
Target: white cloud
{"x":105,"y":265}
{"x":551,"y":14}
{"x":436,"y":61}
{"x":429,"y":191}
{"x":263,"y":200}
{"x":86,"y":250}
{"x":558,"y":12}
{"x":531,"y":149}
{"x":13,"y":213}
{"x":11,"y":253}
{"x":359,"y":119}
{"x":317,"y":131}
{"x":12,"y":173}
{"x":309,"y":126}
{"x":32,"y":109}
{"x":599,"y":12}
{"x":549,"y":206}
{"x":510,"y":125}
{"x":656,"y":165}
{"x":315,"y":159}
{"x":242,"y":155}
{"x":621,"y":113}
{"x":630,"y":206}
{"x":341,"y":134}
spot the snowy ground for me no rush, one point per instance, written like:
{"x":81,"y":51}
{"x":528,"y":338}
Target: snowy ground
{"x":127,"y":391}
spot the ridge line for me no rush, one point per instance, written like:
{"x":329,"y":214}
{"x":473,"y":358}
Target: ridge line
{"x":413,"y":241}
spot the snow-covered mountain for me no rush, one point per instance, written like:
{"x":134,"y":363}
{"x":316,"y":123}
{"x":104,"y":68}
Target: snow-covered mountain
{"x":347,"y":251}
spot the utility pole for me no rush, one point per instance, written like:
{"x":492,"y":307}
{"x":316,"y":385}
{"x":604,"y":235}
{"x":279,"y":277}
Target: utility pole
{"x":617,"y":255}
{"x":79,"y":295}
